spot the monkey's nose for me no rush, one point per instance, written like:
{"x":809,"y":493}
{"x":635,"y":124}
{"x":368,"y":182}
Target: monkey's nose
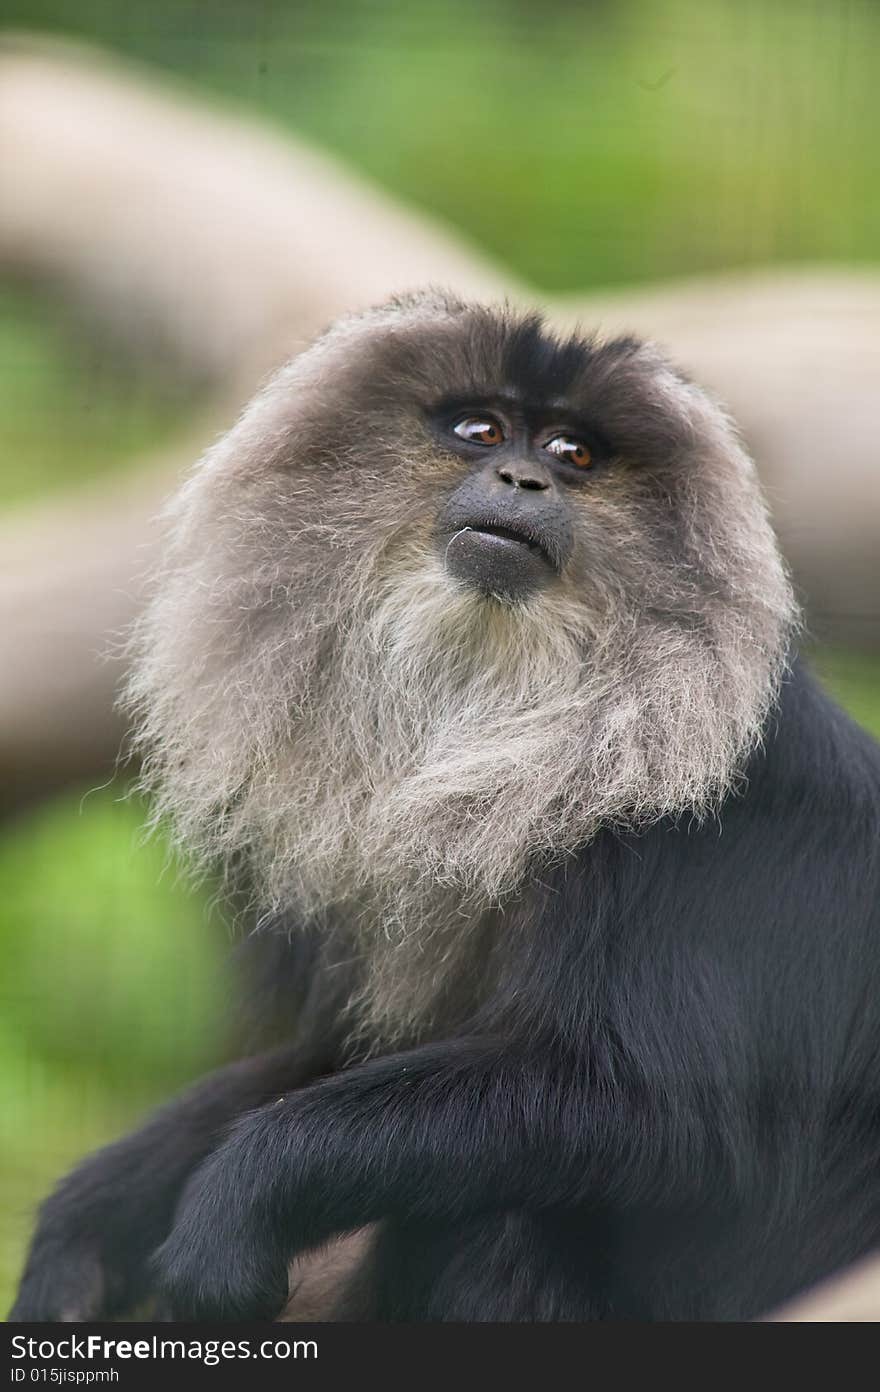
{"x":524,"y":474}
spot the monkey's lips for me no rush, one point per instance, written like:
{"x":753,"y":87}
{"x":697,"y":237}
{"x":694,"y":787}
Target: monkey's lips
{"x":498,"y":560}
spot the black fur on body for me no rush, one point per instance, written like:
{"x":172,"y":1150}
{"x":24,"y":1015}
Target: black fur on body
{"x":647,"y":1090}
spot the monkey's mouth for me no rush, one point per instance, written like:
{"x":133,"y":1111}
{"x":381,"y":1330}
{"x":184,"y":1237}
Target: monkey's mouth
{"x":508,"y":536}
{"x":498,"y":559}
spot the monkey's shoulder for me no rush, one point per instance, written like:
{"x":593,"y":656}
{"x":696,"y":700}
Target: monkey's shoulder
{"x":816,"y":762}
{"x":781,"y":884}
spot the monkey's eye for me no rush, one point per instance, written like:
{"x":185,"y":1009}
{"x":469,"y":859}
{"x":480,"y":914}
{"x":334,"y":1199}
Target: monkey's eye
{"x":479,"y":430}
{"x":571,"y":450}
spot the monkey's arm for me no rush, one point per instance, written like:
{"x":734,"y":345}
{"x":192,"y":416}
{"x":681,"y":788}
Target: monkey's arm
{"x":90,"y":1257}
{"x":440,"y":1132}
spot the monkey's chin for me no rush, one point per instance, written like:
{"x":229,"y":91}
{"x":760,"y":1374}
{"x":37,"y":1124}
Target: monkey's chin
{"x":498,"y":564}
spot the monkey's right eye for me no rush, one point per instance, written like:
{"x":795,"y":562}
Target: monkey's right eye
{"x":479,"y":430}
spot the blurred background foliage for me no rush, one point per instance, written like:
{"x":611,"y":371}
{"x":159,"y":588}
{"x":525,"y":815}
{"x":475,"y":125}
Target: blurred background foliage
{"x":583,"y":144}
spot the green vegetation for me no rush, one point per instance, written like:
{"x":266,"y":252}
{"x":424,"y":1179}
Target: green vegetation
{"x":111,"y":984}
{"x":583,"y":144}
{"x":854,"y":680}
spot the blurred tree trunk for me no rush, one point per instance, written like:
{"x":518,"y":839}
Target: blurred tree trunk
{"x":191,"y":235}
{"x":71,"y":582}
{"x":850,"y":1298}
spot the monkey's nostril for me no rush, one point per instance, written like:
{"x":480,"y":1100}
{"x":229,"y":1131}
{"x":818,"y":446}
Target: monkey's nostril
{"x":523,"y":479}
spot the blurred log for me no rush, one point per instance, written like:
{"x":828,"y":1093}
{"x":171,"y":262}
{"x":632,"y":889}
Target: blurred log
{"x":191,"y":233}
{"x":71,"y":582}
{"x":205,"y":239}
{"x":317,"y":1278}
{"x":851,"y":1298}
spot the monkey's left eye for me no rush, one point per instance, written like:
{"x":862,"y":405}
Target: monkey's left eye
{"x":479,"y":430}
{"x":571,"y":450}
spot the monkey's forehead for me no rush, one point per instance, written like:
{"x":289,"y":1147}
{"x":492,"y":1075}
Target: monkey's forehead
{"x":526,"y":358}
{"x":433,"y":345}
{"x":427,"y":351}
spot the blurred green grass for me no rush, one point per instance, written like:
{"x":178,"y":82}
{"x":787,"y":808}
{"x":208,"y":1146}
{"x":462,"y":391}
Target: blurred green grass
{"x":112,"y":989}
{"x":583,"y":144}
{"x":854,"y":680}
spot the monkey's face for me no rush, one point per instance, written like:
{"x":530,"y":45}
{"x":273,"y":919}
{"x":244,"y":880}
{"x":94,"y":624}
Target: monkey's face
{"x":508,"y":528}
{"x":451,"y":596}
{"x":431,"y":441}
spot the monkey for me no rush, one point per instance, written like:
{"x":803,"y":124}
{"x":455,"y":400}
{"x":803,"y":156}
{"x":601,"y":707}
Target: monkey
{"x":474,"y":664}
